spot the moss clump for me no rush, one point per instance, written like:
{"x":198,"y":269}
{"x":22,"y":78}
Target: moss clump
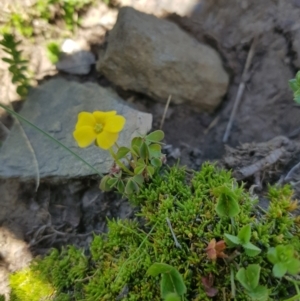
{"x":115,"y":267}
{"x":28,"y":285}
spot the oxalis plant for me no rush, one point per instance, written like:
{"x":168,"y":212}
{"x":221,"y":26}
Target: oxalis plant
{"x":132,"y":165}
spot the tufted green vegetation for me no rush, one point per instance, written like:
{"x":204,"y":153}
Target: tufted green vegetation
{"x":185,"y":221}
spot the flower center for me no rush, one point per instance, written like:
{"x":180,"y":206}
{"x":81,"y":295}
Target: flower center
{"x":98,"y":128}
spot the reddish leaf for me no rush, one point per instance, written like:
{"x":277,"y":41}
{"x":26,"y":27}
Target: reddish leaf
{"x":208,"y":285}
{"x":215,"y":249}
{"x":211,"y":292}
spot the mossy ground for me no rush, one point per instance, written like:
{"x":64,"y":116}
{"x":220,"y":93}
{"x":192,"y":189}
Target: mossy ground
{"x":115,"y":266}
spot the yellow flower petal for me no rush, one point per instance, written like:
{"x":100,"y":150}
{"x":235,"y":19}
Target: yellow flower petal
{"x":84,"y":136}
{"x":114,"y":124}
{"x":106,"y":140}
{"x":85,"y":119}
{"x":100,"y":116}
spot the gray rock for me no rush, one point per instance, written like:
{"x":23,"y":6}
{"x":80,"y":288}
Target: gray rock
{"x":54,"y":107}
{"x":76,"y":63}
{"x":157,"y":58}
{"x":160,"y":7}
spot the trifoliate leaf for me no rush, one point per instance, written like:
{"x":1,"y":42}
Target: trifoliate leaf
{"x":155,"y":136}
{"x":244,"y":234}
{"x":249,"y":277}
{"x":122,"y":152}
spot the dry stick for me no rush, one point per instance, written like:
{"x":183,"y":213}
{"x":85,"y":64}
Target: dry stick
{"x":165,"y":112}
{"x":289,"y":174}
{"x":177,"y":244}
{"x":256,"y":167}
{"x":240,"y":90}
{"x":211,"y":125}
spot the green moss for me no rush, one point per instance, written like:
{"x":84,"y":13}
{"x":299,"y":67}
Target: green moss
{"x":115,"y":266}
{"x":27,"y":285}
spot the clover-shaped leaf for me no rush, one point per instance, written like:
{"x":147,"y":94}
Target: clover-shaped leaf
{"x":172,"y":297}
{"x":283,"y":260}
{"x":260,"y":293}
{"x":155,"y":150}
{"x":249,"y":277}
{"x":227,"y":204}
{"x":156,"y":162}
{"x":122,"y":152}
{"x":250,"y":249}
{"x":244,"y":234}
{"x":104,"y":183}
{"x":171,"y":280}
{"x":144,"y":151}
{"x":155,"y":136}
{"x":231,"y":240}
{"x":136,"y":145}
{"x":131,"y":187}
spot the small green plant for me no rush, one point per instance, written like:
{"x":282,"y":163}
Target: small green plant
{"x":172,"y":287}
{"x":17,"y":65}
{"x":28,"y":283}
{"x":144,"y":158}
{"x":53,"y":52}
{"x":284,"y":260}
{"x":243,"y":239}
{"x":249,"y":279}
{"x":295,"y":86}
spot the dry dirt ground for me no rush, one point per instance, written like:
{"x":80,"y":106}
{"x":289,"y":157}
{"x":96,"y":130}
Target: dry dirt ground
{"x":67,"y":213}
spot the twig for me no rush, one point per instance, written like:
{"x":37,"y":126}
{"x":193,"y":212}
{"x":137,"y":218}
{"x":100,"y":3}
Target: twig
{"x":177,"y":244}
{"x":291,"y":172}
{"x":211,"y":125}
{"x":165,"y":112}
{"x":254,"y":168}
{"x":240,"y":90}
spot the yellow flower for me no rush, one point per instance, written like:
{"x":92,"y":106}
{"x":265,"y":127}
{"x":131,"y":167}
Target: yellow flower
{"x":104,"y":127}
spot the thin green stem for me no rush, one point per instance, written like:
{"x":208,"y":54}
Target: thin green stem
{"x":119,"y":162}
{"x":51,"y":138}
{"x":232,"y":283}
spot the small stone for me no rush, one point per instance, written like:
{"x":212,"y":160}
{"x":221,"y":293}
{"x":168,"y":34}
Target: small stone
{"x":70,"y":46}
{"x":76,"y":63}
{"x":176,"y":153}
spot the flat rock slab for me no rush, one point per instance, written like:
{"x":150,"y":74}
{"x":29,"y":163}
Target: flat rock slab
{"x":54,"y":107}
{"x":157,"y":58}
